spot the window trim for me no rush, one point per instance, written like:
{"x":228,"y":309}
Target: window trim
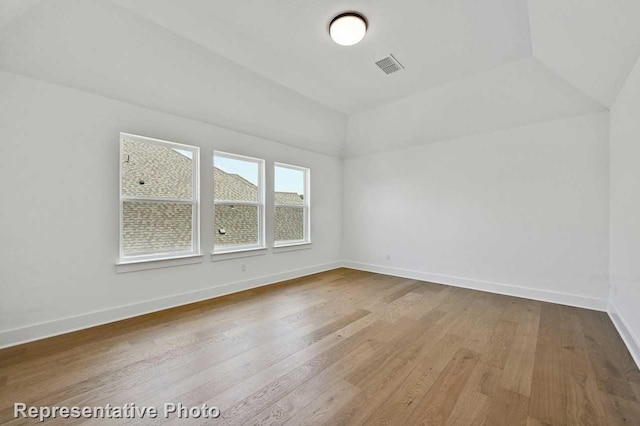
{"x":260,"y":204}
{"x":194,"y":202}
{"x":306,"y":240}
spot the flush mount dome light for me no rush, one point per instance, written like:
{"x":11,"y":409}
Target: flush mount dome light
{"x":348,"y":28}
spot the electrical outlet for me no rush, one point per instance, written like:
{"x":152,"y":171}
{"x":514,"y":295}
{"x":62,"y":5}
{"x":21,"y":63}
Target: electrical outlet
{"x":388,"y":257}
{"x":243,"y":267}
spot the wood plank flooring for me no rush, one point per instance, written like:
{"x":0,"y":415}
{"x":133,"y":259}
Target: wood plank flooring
{"x":342,"y":348}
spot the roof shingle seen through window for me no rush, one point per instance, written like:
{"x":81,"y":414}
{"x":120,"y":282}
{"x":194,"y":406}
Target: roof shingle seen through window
{"x":154,"y":171}
{"x":240,"y":223}
{"x":161,"y":172}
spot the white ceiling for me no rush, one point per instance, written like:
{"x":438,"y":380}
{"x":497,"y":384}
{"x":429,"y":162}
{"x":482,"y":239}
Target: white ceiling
{"x":11,"y":9}
{"x":98,"y":47}
{"x":593,"y":44}
{"x":471,"y":66}
{"x":288,"y":41}
{"x":514,"y":94}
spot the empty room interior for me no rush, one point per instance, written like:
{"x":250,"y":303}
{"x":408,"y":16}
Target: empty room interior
{"x":320,"y":212}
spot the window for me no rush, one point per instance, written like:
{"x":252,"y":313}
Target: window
{"x":292,"y":216}
{"x":159,"y":199}
{"x":238,"y":194}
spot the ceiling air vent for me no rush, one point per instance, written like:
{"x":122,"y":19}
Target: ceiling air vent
{"x":389,"y":64}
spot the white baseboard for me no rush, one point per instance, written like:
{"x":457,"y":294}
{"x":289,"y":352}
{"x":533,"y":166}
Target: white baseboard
{"x":628,"y":336}
{"x":66,"y":325}
{"x":43,"y":330}
{"x":499,"y":288}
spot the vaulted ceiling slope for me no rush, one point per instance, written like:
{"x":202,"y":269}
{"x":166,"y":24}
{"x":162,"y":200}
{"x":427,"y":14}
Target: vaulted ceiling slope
{"x":102,"y":48}
{"x":11,"y":9}
{"x":270,"y":68}
{"x":515,"y":94}
{"x":593,"y":44}
{"x":287,"y":41}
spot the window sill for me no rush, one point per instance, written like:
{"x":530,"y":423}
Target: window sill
{"x":235,"y":254}
{"x":283,"y":248}
{"x":145,"y":264}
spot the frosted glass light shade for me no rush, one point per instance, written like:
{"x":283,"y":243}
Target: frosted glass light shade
{"x":348,"y":29}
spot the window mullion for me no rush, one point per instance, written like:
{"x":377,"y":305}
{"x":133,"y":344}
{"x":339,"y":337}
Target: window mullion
{"x":242,"y":177}
{"x":157,"y":199}
{"x":292,"y":221}
{"x":138,"y":155}
{"x":238,"y":203}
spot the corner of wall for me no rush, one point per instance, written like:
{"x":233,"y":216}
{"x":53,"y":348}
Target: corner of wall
{"x":626,"y":332}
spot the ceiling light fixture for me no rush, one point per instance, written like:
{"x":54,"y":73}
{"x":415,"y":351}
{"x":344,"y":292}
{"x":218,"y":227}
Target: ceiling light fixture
{"x":348,"y":28}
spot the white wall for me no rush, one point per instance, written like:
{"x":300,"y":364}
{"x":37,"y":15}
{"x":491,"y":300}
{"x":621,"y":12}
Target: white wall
{"x":522,"y":211}
{"x":625,"y":211}
{"x":59,"y":211}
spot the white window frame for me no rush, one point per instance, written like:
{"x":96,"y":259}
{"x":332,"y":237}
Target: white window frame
{"x":306,"y":206}
{"x":260,"y":204}
{"x":194,"y":202}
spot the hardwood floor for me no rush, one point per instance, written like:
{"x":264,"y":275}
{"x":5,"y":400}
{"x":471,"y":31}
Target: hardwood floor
{"x":341,"y":348}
